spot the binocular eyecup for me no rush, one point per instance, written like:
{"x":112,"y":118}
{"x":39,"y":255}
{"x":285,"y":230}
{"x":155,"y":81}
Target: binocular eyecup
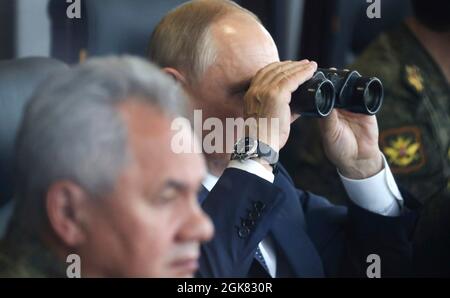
{"x":332,"y":88}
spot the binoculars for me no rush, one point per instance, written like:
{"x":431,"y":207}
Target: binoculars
{"x":333,"y":88}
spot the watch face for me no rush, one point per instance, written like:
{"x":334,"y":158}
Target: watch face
{"x":246,"y":146}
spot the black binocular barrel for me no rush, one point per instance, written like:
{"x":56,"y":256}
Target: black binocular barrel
{"x":332,"y":88}
{"x":315,"y":98}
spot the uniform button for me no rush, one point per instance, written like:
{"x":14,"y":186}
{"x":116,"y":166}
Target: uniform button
{"x":248,"y":223}
{"x":243,"y":232}
{"x":259,"y":206}
{"x":254,"y":215}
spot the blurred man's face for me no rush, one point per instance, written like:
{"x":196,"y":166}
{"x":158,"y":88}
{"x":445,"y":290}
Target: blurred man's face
{"x":243,"y":47}
{"x":152,"y":224}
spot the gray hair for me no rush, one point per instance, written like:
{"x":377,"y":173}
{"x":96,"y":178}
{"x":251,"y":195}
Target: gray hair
{"x":72,"y":128}
{"x":182,"y":38}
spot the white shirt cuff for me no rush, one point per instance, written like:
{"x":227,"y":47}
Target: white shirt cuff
{"x":378,"y":194}
{"x":253,"y":167}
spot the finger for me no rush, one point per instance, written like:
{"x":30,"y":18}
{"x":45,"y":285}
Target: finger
{"x":328,"y":124}
{"x":267,"y":69}
{"x":281,"y":69}
{"x":296,"y":76}
{"x":293,"y":71}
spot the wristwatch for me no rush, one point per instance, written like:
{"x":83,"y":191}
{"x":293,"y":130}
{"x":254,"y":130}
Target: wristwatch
{"x":249,"y":148}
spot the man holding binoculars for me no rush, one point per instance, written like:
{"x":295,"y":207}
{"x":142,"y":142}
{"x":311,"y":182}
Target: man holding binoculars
{"x":229,"y":64}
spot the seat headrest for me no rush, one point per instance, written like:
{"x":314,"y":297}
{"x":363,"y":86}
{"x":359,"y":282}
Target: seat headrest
{"x":18,"y":79}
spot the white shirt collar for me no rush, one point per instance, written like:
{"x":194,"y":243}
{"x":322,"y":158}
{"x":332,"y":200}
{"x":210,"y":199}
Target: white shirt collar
{"x":209,"y":181}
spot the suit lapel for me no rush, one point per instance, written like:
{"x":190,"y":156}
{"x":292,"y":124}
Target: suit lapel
{"x":203,"y":193}
{"x":289,"y":232}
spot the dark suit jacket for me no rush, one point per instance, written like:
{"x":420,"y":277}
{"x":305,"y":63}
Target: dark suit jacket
{"x":312,"y":237}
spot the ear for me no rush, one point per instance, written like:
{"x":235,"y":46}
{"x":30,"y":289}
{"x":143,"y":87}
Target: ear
{"x":67,"y":207}
{"x":176,"y":75}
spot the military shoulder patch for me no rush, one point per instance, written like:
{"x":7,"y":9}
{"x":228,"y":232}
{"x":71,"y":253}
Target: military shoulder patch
{"x":403,"y":149}
{"x":414,"y":79}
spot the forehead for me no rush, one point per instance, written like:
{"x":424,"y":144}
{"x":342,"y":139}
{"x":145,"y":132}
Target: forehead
{"x":243,"y":45}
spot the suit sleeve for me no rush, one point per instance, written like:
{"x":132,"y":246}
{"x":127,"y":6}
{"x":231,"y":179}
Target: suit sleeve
{"x":348,"y":236}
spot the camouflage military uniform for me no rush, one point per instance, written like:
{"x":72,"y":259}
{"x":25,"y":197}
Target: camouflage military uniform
{"x":23,"y":257}
{"x":414,"y":136}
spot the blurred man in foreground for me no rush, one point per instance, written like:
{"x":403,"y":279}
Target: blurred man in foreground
{"x":96,"y":177}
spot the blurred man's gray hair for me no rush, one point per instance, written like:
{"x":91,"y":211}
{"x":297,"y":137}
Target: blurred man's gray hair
{"x":72,"y":128}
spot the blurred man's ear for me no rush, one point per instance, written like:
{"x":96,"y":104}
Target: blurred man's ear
{"x":176,"y":75}
{"x":66,"y":204}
